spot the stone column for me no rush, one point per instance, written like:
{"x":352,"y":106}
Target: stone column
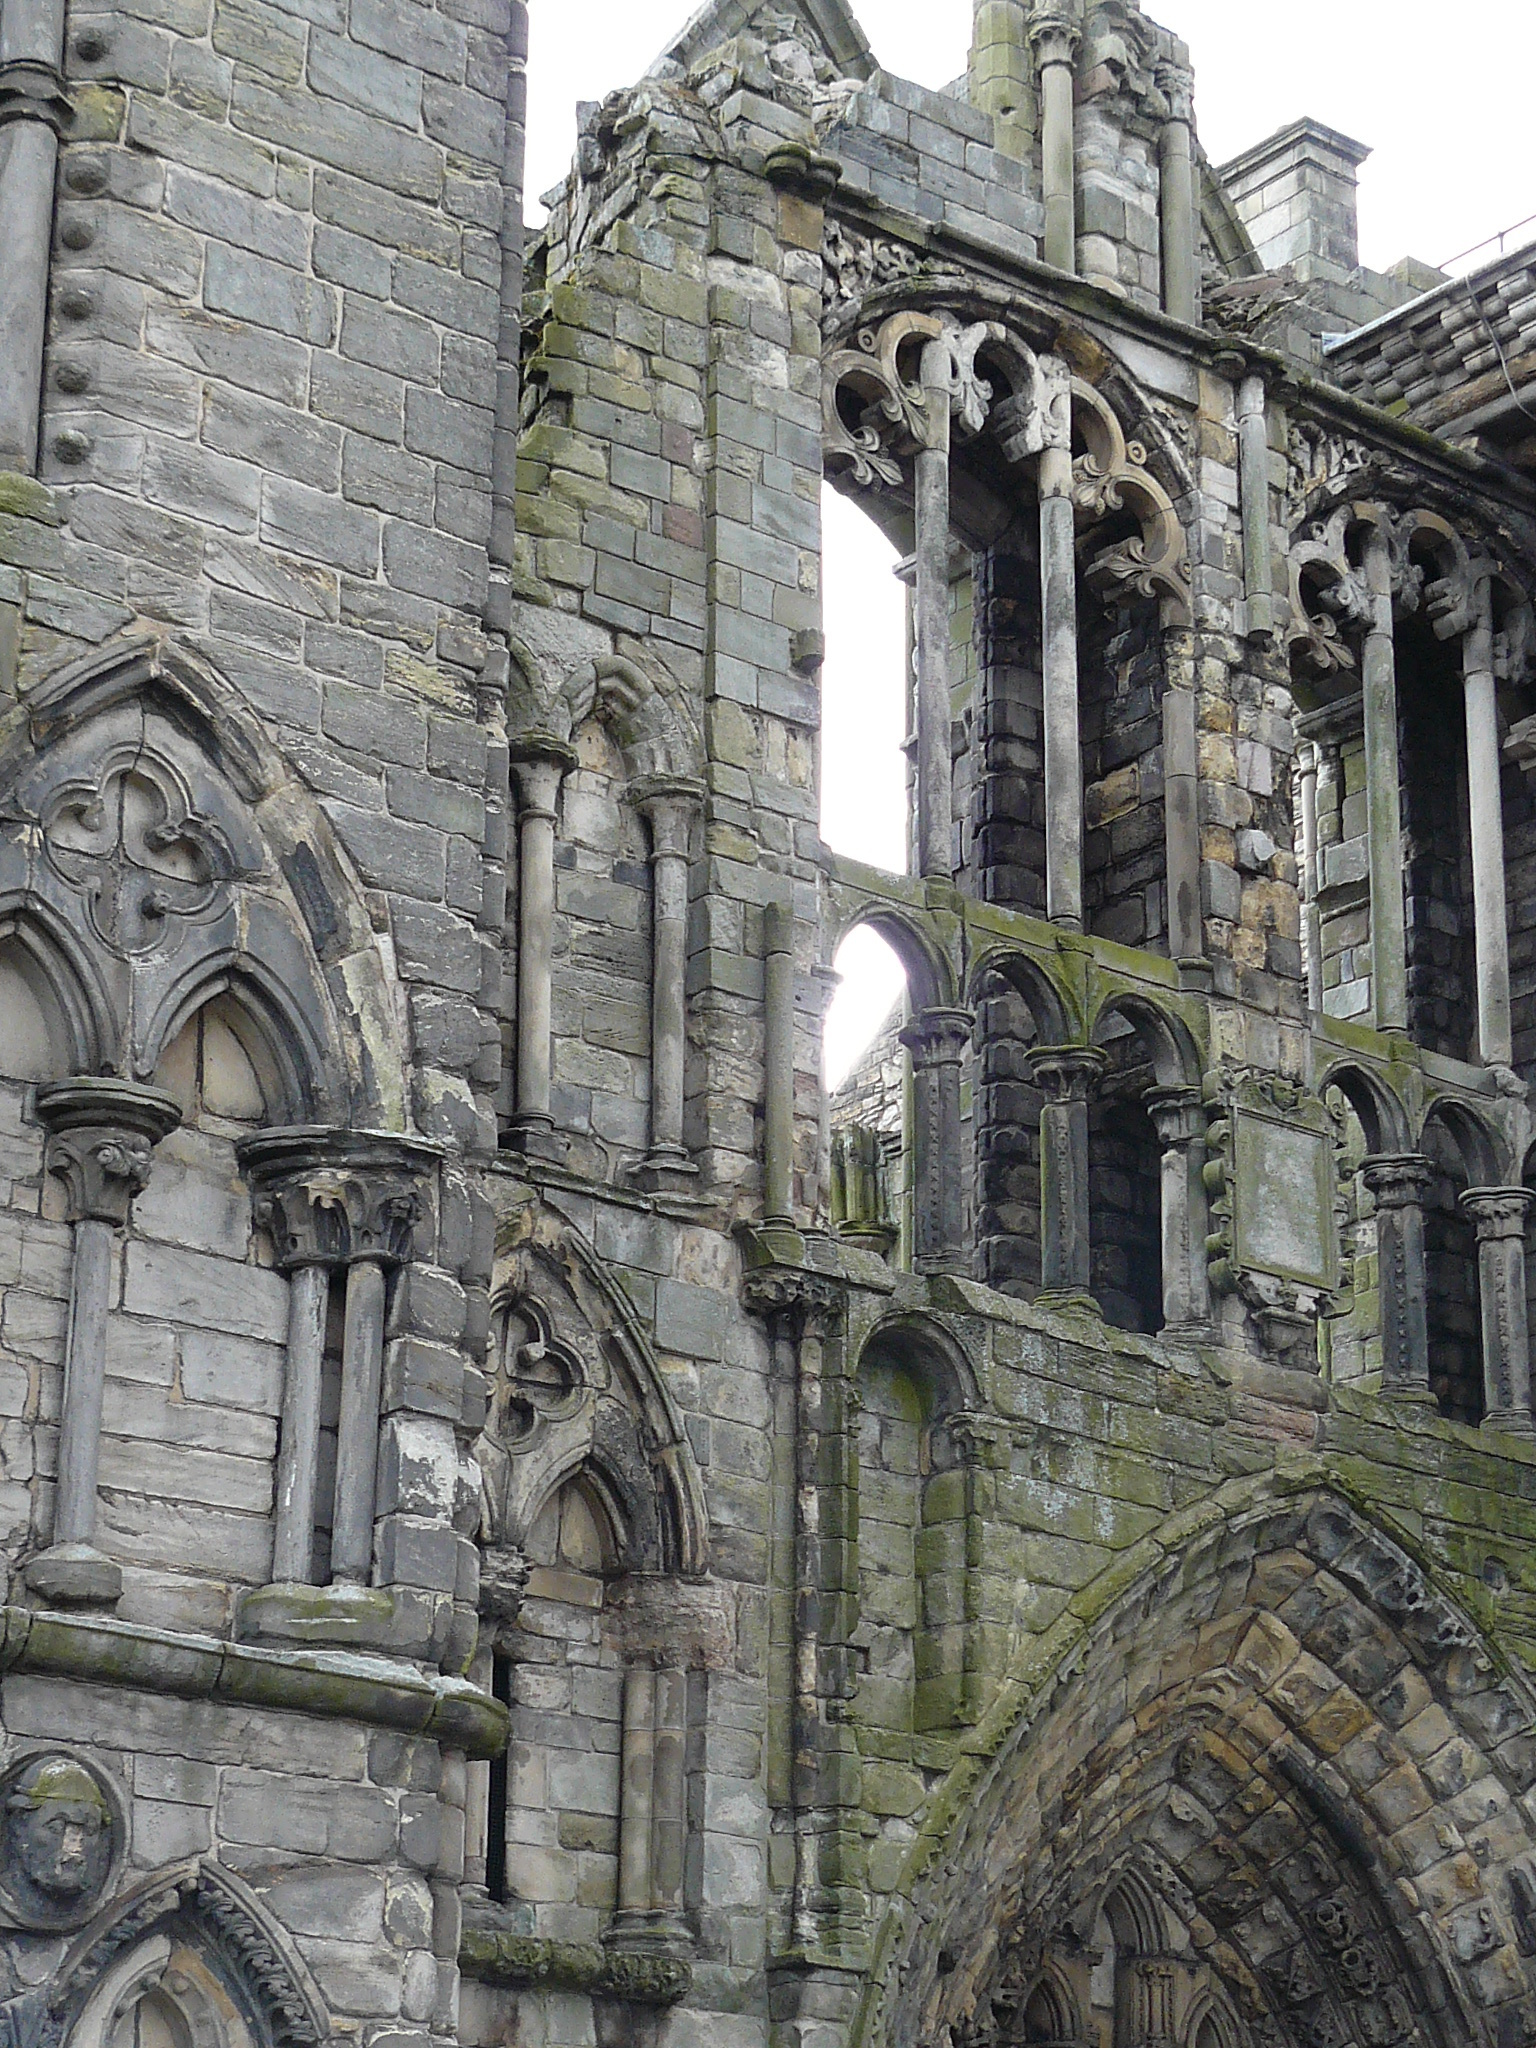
{"x":1063,"y":746}
{"x":935,"y":761}
{"x":539,"y":765}
{"x":1389,"y":954}
{"x":1396,"y":1183}
{"x":1499,"y":1214}
{"x":293,"y":1532}
{"x":653,"y":1818}
{"x":637,"y":1759}
{"x":101,"y":1139}
{"x":999,"y":74}
{"x":33,"y":109}
{"x":1178,"y":1116}
{"x":1181,"y":802}
{"x":937,"y":1040}
{"x":1485,"y":804}
{"x":1181,"y":268}
{"x":1064,"y":1075}
{"x":669,"y":804}
{"x":778,"y":1062}
{"x":1054,"y":38}
{"x":1311,"y":915}
{"x":1253,"y":475}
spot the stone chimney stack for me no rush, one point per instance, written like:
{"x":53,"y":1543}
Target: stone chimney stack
{"x":1296,"y":194}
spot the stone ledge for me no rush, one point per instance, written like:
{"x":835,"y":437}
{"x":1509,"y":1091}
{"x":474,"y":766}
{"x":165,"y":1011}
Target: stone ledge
{"x":640,"y":1977}
{"x":332,"y":1685}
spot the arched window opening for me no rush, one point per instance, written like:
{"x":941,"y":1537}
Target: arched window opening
{"x":865,"y":688}
{"x":1045,"y":2021}
{"x":865,"y":1068}
{"x":34,"y":1045}
{"x":1008,"y":798}
{"x":1125,"y":1184}
{"x":1437,"y":841}
{"x":1007,"y":1142}
{"x":213,"y":1069}
{"x":1453,"y":1302}
{"x":152,"y":2021}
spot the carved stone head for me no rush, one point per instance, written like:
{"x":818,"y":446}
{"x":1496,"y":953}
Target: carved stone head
{"x":61,"y":1834}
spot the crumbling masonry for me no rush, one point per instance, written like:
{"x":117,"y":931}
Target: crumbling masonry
{"x":520,"y":1523}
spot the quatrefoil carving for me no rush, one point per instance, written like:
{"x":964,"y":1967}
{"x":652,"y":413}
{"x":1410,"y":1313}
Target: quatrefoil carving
{"x":539,"y":1380}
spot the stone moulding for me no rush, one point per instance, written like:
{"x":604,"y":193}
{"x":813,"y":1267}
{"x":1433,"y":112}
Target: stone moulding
{"x":641,"y":1978}
{"x":333,"y":1686}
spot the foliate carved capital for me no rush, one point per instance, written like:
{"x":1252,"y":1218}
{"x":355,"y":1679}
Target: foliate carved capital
{"x":1176,"y":83}
{"x":101,"y":1139}
{"x":1178,"y":1116}
{"x":1497,"y":1212}
{"x":803,"y":1301}
{"x":1053,"y":36}
{"x":1066,"y":1073}
{"x":669,"y":804}
{"x":939,"y":1037}
{"x":331,"y":1196}
{"x":1397,"y":1180}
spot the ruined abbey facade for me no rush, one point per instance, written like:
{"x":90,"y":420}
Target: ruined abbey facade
{"x":523,"y":1524}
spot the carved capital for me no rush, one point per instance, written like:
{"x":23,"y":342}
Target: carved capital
{"x":539,"y":764}
{"x":1065,"y":1073}
{"x":669,"y":804}
{"x":1176,"y":83}
{"x":1496,"y":1212}
{"x":1397,"y":1180}
{"x":803,"y":1302}
{"x":984,"y":1440}
{"x":503,"y":1581}
{"x":331,"y":1196}
{"x":101,"y":1139}
{"x":33,"y":91}
{"x":1053,"y":36}
{"x":1178,"y":1116}
{"x":939,"y":1037}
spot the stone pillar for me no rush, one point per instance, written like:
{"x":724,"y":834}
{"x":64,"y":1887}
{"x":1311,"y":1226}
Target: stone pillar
{"x":1063,"y":746}
{"x":1499,"y":1214}
{"x":935,"y":761}
{"x":1064,"y":1074}
{"x":357,"y":1428}
{"x":636,"y":1766}
{"x":1396,"y":1183}
{"x":1311,"y":915}
{"x":1181,"y":801}
{"x":1181,"y":264}
{"x":1178,"y":1116}
{"x":1389,"y":954}
{"x":1054,"y":38}
{"x":1485,"y":804}
{"x":1000,"y":79}
{"x":539,"y":765}
{"x":101,"y":1139}
{"x":669,"y":805}
{"x":778,"y":1062}
{"x":653,"y":1817}
{"x":937,"y":1040}
{"x":1253,"y":475}
{"x":33,"y":109}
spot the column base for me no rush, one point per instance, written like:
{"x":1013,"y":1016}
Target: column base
{"x":535,"y":1137}
{"x":1511,"y":1422}
{"x":879,"y":1238}
{"x":1067,"y":1301}
{"x":1203,"y":1332}
{"x":1408,"y":1396}
{"x":639,"y":1931}
{"x":665,"y":1171}
{"x":392,"y":1621}
{"x":74,"y":1575}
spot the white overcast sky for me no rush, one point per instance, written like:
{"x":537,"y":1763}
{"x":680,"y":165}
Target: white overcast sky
{"x":1443,"y":96}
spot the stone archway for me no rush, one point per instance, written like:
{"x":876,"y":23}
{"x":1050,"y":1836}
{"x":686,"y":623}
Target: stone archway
{"x":1294,"y":1746}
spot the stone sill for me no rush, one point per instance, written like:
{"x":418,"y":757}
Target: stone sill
{"x":330,"y":1684}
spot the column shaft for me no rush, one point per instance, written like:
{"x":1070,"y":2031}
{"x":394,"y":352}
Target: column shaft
{"x":636,"y":1791}
{"x":935,"y":765}
{"x":778,"y":1062}
{"x":1397,"y":1184}
{"x":1179,"y":1118}
{"x":357,"y":1430}
{"x":1389,"y":957}
{"x":32,"y":107}
{"x":1499,"y":1215}
{"x":1064,"y":1074}
{"x":1311,"y":916}
{"x":1485,"y":805}
{"x":1063,"y":747}
{"x":85,"y":1369}
{"x":1181,"y":279}
{"x":293,"y":1538}
{"x":1181,"y":811}
{"x":669,"y":1814}
{"x":1253,"y":472}
{"x":669,"y":943}
{"x":539,"y":766}
{"x":1055,"y":43}
{"x":937,"y":1039}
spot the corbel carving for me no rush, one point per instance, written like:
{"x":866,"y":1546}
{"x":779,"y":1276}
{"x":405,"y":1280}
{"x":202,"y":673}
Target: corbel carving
{"x":332,"y":1196}
{"x":101,"y":1139}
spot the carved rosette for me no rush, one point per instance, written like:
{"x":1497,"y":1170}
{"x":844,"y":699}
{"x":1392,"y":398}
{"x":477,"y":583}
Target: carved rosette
{"x":331,"y":1196}
{"x":101,"y":1139}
